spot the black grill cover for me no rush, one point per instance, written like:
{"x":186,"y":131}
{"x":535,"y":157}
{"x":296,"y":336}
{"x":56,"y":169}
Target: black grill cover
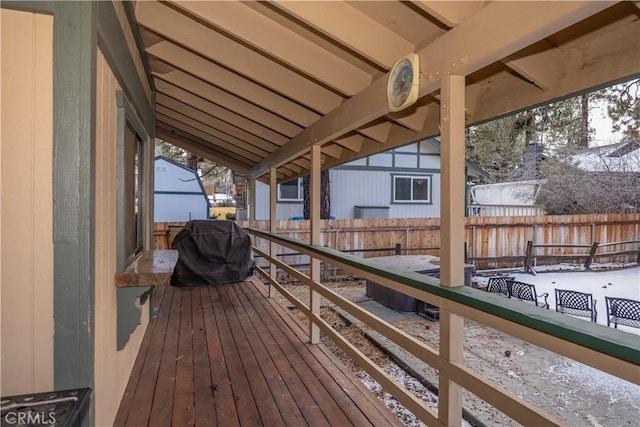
{"x":211,"y":253}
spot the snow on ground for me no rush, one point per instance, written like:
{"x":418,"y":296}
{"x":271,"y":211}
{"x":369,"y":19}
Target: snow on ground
{"x":624,"y":283}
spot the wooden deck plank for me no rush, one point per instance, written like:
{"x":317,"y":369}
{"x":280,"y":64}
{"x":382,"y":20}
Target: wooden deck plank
{"x":265,"y":356}
{"x":269,"y":413}
{"x":183,"y":401}
{"x":300,"y":379}
{"x":225,"y":405}
{"x":138,"y":398}
{"x":338,"y":375}
{"x":164,"y":391}
{"x":205,"y":405}
{"x":338,"y":410}
{"x":246,"y":405}
{"x":226,"y":355}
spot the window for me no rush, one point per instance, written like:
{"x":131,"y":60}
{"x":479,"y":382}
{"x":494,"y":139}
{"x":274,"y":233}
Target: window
{"x":133,"y":193}
{"x":411,"y":189}
{"x":290,"y":191}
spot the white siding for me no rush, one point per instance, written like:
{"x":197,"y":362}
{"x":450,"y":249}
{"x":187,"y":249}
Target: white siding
{"x":169,"y":177}
{"x":350,"y":188}
{"x":179,"y":207}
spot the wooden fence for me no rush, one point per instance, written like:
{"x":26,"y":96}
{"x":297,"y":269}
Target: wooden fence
{"x":490,"y":242}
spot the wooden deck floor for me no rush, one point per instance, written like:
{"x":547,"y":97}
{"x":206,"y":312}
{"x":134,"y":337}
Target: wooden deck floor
{"x":227,"y":355}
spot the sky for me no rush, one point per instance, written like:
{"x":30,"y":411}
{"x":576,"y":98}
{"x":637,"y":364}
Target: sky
{"x":602,"y":124}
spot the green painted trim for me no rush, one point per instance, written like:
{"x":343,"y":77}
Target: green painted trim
{"x":114,"y":46}
{"x":45,"y":7}
{"x":388,"y":169}
{"x":600,"y":338}
{"x":74,"y":124}
{"x":189,"y":193}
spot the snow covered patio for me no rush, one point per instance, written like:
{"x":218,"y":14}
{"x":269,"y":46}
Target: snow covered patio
{"x":603,"y":281}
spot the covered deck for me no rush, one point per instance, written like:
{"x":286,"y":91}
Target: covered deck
{"x":228,"y":355}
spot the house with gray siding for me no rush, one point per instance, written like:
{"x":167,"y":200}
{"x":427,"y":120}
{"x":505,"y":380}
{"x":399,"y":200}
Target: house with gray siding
{"x":178,"y":193}
{"x":399,"y":183}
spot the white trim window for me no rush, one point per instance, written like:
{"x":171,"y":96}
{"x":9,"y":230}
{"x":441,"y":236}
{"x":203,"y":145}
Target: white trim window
{"x":290,"y":191}
{"x":411,"y":189}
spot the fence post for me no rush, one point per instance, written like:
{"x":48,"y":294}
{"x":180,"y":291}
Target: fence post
{"x":527,"y":256}
{"x":592,"y":254}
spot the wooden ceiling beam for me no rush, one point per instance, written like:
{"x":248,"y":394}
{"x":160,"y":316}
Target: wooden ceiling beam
{"x":459,"y":51}
{"x":202,"y":150}
{"x":332,"y":150}
{"x":351,"y":142}
{"x":213,"y":122}
{"x":223,"y":114}
{"x":228,"y":101}
{"x":537,"y":65}
{"x":231,"y":82}
{"x":377,"y":130}
{"x":207,"y":142}
{"x":178,"y":121}
{"x":450,"y":13}
{"x":369,"y":39}
{"x":280,"y":42}
{"x":183,"y":30}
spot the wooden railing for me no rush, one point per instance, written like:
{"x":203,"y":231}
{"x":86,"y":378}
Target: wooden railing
{"x":605,"y":349}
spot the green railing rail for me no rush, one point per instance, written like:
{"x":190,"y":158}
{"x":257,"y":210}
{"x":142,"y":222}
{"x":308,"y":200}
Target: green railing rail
{"x":607,"y":341}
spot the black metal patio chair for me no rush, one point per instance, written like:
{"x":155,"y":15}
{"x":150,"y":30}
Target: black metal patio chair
{"x":623,"y":311}
{"x":576,"y":303}
{"x":498,"y":285}
{"x":527,"y":292}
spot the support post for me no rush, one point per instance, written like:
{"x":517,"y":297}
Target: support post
{"x":452,"y":158}
{"x":314,"y":197}
{"x":273,"y":226}
{"x":251,"y":205}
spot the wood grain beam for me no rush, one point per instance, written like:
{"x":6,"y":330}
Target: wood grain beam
{"x":202,"y":104}
{"x":277,"y":41}
{"x":450,"y":13}
{"x":370,"y":39}
{"x":201,"y":39}
{"x":458,"y":51}
{"x":228,"y":101}
{"x":231,"y":82}
{"x":538,"y":66}
{"x":201,"y":150}
{"x":165,"y":103}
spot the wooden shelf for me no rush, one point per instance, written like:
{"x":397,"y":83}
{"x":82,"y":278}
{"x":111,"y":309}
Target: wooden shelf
{"x":151,"y":268}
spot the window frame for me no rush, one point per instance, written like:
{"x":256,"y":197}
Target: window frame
{"x":128,"y":125}
{"x":412,"y":177}
{"x":300,"y":198}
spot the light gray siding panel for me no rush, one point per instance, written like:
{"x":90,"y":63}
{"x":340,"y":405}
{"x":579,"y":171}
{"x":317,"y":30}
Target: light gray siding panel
{"x":429,"y":162}
{"x":406,"y":160}
{"x":357,"y":187}
{"x":428,"y":147}
{"x":262,"y":201}
{"x":179,"y":207}
{"x":411,"y":148}
{"x":382,"y":159}
{"x":169,"y":177}
{"x":351,"y":188}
